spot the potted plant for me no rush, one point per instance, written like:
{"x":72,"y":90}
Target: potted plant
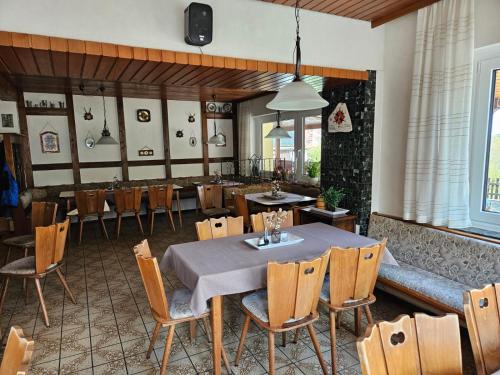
{"x":313,"y":171}
{"x":332,"y":197}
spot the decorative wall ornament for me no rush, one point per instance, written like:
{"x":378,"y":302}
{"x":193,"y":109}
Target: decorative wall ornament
{"x":227,"y":107}
{"x":143,"y":115}
{"x":7,"y":120}
{"x":192,"y":140}
{"x":146,"y":151}
{"x":89,"y":141}
{"x":211,"y":107}
{"x":49,"y":141}
{"x":191,"y":118}
{"x":179,"y":133}
{"x":88,"y":114}
{"x":340,"y":121}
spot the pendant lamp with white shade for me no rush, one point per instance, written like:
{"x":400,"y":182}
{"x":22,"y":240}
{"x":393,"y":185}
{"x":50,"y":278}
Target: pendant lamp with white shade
{"x":217,"y":139}
{"x":297,"y":95}
{"x":278,"y":132}
{"x":106,"y":138}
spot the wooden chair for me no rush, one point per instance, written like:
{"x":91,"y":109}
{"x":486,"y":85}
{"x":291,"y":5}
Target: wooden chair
{"x":258,"y":220}
{"x":89,"y":203}
{"x":165,"y":313}
{"x":17,"y":355}
{"x":50,"y":243}
{"x":241,"y":209}
{"x":128,"y":201}
{"x":42,"y":214}
{"x":218,"y":228}
{"x":161,"y":198}
{"x":210,"y":197}
{"x":420,"y":345}
{"x":290,"y":302}
{"x":353,"y":274}
{"x":482,"y":313}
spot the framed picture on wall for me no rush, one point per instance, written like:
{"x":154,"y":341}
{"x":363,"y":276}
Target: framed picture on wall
{"x":7,"y":120}
{"x":50,"y":142}
{"x":222,"y":144}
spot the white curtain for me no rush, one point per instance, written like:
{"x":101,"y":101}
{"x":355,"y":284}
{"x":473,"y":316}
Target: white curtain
{"x":246,"y":133}
{"x":437,"y":156}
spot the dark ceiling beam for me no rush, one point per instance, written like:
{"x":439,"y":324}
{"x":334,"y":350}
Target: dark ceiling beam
{"x":7,"y":89}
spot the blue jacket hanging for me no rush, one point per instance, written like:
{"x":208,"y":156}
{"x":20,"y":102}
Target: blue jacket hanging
{"x":10,"y":190}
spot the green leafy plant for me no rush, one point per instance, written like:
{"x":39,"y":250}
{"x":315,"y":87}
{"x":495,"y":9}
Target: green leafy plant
{"x":333,"y":197}
{"x":313,"y":169}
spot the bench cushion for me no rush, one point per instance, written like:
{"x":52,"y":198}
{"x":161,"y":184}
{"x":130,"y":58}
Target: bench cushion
{"x":462,"y":259}
{"x":436,"y":287}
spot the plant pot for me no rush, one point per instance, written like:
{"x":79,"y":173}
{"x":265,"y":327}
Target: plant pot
{"x":276,"y":236}
{"x":320,"y":203}
{"x":314,"y":180}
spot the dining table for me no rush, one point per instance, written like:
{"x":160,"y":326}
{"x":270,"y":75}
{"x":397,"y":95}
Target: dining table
{"x":224,"y":266}
{"x":266,"y":199}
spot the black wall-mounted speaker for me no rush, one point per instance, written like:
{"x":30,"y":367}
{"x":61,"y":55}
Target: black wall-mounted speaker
{"x":198,"y":24}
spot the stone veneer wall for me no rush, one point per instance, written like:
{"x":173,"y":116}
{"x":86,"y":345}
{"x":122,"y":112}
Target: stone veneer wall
{"x":347,"y":158}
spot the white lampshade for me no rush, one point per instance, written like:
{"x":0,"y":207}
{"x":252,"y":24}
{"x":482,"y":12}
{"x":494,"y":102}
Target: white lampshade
{"x":106,"y":140}
{"x":278,"y":132}
{"x":297,"y":96}
{"x":217,"y":139}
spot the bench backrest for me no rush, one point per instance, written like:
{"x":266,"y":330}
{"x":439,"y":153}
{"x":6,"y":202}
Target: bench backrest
{"x":462,"y":259}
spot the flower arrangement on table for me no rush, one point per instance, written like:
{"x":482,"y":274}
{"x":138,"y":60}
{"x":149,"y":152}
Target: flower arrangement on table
{"x":273,"y":223}
{"x":275,"y":188}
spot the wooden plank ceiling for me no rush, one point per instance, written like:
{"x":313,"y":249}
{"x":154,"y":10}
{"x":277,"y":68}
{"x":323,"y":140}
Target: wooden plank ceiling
{"x":50,"y":64}
{"x":377,"y":12}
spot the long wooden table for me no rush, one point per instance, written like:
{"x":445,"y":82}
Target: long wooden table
{"x":69,"y":196}
{"x":214,"y":268}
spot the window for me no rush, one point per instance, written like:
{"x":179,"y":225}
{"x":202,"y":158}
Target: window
{"x":485,"y":141}
{"x":304,"y":144}
{"x":312,"y":139}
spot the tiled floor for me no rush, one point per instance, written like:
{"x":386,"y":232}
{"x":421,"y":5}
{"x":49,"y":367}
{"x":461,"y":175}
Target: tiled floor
{"x":108,"y":331}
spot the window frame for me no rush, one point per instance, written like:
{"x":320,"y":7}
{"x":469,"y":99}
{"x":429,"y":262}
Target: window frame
{"x":299,"y":132}
{"x":486,"y":60}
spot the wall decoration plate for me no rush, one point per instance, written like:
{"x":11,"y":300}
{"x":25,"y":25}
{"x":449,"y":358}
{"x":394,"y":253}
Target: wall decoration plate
{"x":146,"y":151}
{"x":211,"y":107}
{"x":193,"y":141}
{"x":227,"y":108}
{"x":143,"y":115}
{"x":49,"y":141}
{"x":90,"y":142}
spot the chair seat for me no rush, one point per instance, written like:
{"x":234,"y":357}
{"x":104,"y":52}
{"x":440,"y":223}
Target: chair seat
{"x":215,"y":211}
{"x":179,"y":301}
{"x":23,"y":266}
{"x":256,"y":303}
{"x":27,"y":240}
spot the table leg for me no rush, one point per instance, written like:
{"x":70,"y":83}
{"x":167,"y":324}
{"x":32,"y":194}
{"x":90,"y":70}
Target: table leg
{"x":216,"y":316}
{"x":179,"y":209}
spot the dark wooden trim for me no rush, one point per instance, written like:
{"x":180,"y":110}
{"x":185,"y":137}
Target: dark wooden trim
{"x":422,"y":297}
{"x":444,"y":229}
{"x":236,"y":139}
{"x":37,"y":111}
{"x":219,"y":116}
{"x":141,"y":163}
{"x":218,"y":160}
{"x":204,"y":138}
{"x":123,"y":138}
{"x":25,"y":144}
{"x":72,"y":139}
{"x":400,"y":12}
{"x":186,"y":161}
{"x":53,"y":167}
{"x":101,"y":164}
{"x":8,"y":90}
{"x":166,"y":138}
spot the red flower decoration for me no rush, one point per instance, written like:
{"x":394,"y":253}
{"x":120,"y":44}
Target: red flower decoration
{"x":339,"y":117}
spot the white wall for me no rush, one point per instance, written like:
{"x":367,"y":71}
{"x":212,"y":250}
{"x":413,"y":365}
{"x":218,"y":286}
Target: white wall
{"x":242,"y":28}
{"x":178,"y":113}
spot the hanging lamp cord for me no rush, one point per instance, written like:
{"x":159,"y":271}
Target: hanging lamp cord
{"x":298,"y":56}
{"x":104,"y":107}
